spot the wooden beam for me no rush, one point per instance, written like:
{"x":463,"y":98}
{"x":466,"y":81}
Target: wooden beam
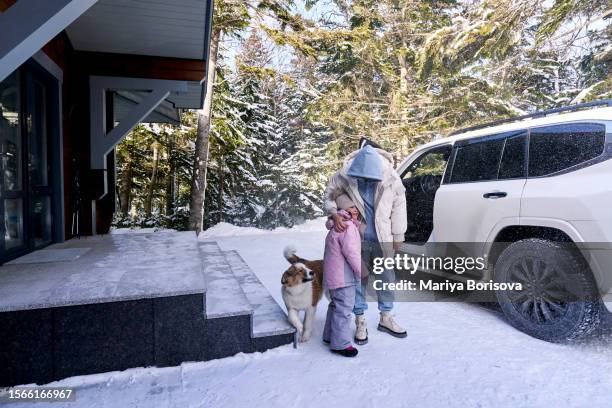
{"x":28,"y":25}
{"x":141,"y":66}
{"x":103,"y":141}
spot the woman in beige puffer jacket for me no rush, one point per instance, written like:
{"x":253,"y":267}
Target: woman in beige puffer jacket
{"x":368,"y":176}
{"x":390,"y":199}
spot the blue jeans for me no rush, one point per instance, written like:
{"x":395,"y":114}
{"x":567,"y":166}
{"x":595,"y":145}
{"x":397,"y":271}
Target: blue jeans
{"x":369,"y":251}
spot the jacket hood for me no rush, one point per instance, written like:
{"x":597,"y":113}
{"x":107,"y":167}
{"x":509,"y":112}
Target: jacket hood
{"x":367,"y":164}
{"x":382,"y":159}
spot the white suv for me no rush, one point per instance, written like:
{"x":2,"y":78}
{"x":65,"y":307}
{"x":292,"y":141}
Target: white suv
{"x":534,"y":197}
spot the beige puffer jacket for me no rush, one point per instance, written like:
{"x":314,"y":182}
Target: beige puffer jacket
{"x":389,"y":200}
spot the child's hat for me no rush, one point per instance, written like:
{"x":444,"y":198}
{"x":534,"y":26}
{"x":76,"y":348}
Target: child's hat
{"x":343,"y":201}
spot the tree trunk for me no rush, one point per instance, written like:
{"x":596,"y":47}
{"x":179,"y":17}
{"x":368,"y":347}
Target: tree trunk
{"x":125,"y":189}
{"x":403,"y":95}
{"x":149,"y":200}
{"x":200,"y":162}
{"x":220,"y":196}
{"x":171,"y":180}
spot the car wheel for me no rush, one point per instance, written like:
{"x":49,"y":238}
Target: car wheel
{"x":558,"y":299}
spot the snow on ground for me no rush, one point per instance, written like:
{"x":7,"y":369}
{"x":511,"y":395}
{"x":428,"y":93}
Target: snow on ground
{"x":224,"y":229}
{"x":455,"y":355}
{"x":138,"y":230}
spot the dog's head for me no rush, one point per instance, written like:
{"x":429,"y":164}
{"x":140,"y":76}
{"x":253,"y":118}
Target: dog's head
{"x":297,"y":274}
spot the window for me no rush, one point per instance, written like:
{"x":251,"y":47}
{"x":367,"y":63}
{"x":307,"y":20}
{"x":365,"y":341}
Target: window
{"x":422,"y":180}
{"x":477,"y":161}
{"x":28,"y":129}
{"x":11,"y":166}
{"x":556,"y":148}
{"x":513,"y":159}
{"x":432,"y":163}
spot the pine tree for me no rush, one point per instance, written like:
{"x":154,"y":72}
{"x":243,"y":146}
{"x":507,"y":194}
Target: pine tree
{"x":398,"y":71}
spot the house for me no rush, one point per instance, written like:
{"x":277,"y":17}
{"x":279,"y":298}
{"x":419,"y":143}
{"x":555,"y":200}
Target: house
{"x":75,"y":77}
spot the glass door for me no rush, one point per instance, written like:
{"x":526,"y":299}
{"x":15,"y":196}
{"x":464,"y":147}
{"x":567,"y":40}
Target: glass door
{"x":12,"y":189}
{"x":38,"y":163}
{"x":26,"y":189}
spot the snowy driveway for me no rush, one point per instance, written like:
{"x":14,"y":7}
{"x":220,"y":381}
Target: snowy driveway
{"x":456,"y":355}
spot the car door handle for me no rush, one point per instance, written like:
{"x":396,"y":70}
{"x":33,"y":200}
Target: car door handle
{"x":495,"y":194}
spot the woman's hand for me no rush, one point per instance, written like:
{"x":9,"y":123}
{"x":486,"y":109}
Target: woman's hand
{"x":338,"y":222}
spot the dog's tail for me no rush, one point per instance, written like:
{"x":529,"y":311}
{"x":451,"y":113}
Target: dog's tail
{"x":290,"y":255}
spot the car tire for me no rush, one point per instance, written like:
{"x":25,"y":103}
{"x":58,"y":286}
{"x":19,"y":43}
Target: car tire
{"x":559,"y":301}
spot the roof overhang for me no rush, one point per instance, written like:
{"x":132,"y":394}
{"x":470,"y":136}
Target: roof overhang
{"x":147,"y":39}
{"x":27,"y":25}
{"x":125,"y":38}
{"x":190,"y":71}
{"x":175,"y":29}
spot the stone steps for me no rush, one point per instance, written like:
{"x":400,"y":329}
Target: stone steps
{"x":268,"y":317}
{"x":224,"y":296}
{"x":238,"y":306}
{"x":178,"y":300}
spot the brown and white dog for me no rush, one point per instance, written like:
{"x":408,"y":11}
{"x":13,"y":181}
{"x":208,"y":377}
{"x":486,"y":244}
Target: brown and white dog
{"x":302,"y":288}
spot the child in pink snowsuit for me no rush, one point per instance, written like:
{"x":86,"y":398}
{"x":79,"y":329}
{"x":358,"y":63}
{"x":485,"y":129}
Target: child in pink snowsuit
{"x":341,"y":274}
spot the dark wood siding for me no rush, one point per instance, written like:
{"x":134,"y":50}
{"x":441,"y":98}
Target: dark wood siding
{"x":4,"y":4}
{"x":97,"y":63}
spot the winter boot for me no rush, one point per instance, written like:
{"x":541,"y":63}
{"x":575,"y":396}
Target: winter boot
{"x":350,"y":351}
{"x":387,"y":324}
{"x":361,"y":334}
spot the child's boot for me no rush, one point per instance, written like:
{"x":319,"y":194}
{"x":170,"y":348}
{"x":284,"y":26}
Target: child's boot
{"x":361,"y":334}
{"x":350,"y":351}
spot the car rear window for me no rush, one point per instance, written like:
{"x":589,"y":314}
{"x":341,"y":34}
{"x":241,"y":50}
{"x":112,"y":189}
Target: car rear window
{"x":478,"y":161}
{"x":557,"y":148}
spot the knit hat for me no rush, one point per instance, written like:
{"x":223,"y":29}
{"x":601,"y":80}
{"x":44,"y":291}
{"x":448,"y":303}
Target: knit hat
{"x":343,"y":201}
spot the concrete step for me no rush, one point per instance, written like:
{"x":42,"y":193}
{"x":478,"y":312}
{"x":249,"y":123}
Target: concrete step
{"x":269,"y":319}
{"x":224,"y":296}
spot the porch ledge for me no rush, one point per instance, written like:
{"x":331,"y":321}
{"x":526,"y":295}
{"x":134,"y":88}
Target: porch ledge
{"x":116,"y":268}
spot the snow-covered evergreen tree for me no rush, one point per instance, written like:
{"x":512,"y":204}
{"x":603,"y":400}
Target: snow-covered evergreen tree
{"x":277,"y":170}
